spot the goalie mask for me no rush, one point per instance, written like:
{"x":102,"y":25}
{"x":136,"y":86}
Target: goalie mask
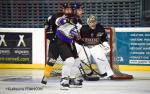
{"x":91,"y":21}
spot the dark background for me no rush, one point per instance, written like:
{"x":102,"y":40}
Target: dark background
{"x":116,"y":13}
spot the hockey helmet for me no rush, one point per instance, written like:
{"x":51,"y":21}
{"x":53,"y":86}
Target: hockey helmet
{"x":75,"y":6}
{"x":66,"y":5}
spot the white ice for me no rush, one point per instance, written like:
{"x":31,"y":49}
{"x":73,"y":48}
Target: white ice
{"x":19,"y":81}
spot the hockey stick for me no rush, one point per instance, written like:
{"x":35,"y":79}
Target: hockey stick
{"x":94,"y":71}
{"x":85,"y":76}
{"x":90,"y":66}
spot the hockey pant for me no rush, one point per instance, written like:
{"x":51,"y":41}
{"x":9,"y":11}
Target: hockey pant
{"x":69,"y":55}
{"x":53,"y":54}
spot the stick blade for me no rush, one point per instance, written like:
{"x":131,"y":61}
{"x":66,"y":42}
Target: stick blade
{"x":91,"y":78}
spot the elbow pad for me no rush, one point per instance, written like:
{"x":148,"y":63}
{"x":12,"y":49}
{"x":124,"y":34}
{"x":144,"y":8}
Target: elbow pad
{"x":61,"y":21}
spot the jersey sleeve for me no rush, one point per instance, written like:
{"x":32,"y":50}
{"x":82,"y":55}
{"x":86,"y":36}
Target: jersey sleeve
{"x":48,"y":27}
{"x":82,"y":31}
{"x":104,"y":37}
{"x":61,"y":21}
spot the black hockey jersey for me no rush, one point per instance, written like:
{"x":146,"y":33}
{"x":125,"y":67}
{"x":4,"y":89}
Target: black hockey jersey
{"x":93,"y":36}
{"x":50,"y":25}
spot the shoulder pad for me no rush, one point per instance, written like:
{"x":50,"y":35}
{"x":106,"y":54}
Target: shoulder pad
{"x":49,"y":18}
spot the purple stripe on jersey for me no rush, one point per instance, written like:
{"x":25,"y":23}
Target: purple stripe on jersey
{"x":62,"y":37}
{"x":62,"y":21}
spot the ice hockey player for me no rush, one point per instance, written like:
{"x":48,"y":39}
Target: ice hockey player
{"x":50,"y":29}
{"x":67,"y":33}
{"x":96,"y":44}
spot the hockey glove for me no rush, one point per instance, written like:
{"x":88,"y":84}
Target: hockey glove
{"x":80,"y":41}
{"x":74,"y":33}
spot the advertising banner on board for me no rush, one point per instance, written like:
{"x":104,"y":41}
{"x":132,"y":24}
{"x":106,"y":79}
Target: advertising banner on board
{"x":133,"y":48}
{"x":15,"y":48}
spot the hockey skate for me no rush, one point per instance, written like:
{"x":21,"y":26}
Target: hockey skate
{"x":44,"y":80}
{"x":75,"y":83}
{"x":64,"y":83}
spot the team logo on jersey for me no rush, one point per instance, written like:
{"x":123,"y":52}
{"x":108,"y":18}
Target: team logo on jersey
{"x":99,"y":34}
{"x":92,"y":35}
{"x":91,"y":41}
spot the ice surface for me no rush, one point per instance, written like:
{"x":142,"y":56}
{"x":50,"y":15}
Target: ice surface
{"x":28,"y":82}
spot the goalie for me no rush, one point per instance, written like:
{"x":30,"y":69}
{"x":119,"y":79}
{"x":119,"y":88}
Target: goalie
{"x":95,"y":41}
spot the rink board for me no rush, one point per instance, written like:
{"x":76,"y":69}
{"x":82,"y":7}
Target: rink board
{"x":133,"y":46}
{"x":41,"y":66}
{"x":22,"y":47}
{"x":38,"y":49}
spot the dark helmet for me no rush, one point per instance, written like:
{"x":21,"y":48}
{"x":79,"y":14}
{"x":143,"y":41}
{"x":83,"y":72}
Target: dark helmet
{"x":66,"y":5}
{"x":75,"y":6}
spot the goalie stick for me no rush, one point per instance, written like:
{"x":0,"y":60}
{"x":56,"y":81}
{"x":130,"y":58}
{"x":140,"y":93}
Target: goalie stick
{"x":85,"y":76}
{"x":90,"y":66}
{"x":94,"y":71}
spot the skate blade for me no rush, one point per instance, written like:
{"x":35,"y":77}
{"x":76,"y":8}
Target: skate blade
{"x":64,"y":88}
{"x":44,"y":81}
{"x":75,"y":86}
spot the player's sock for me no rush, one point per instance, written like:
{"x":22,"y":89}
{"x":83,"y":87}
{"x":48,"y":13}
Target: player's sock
{"x":47,"y":71}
